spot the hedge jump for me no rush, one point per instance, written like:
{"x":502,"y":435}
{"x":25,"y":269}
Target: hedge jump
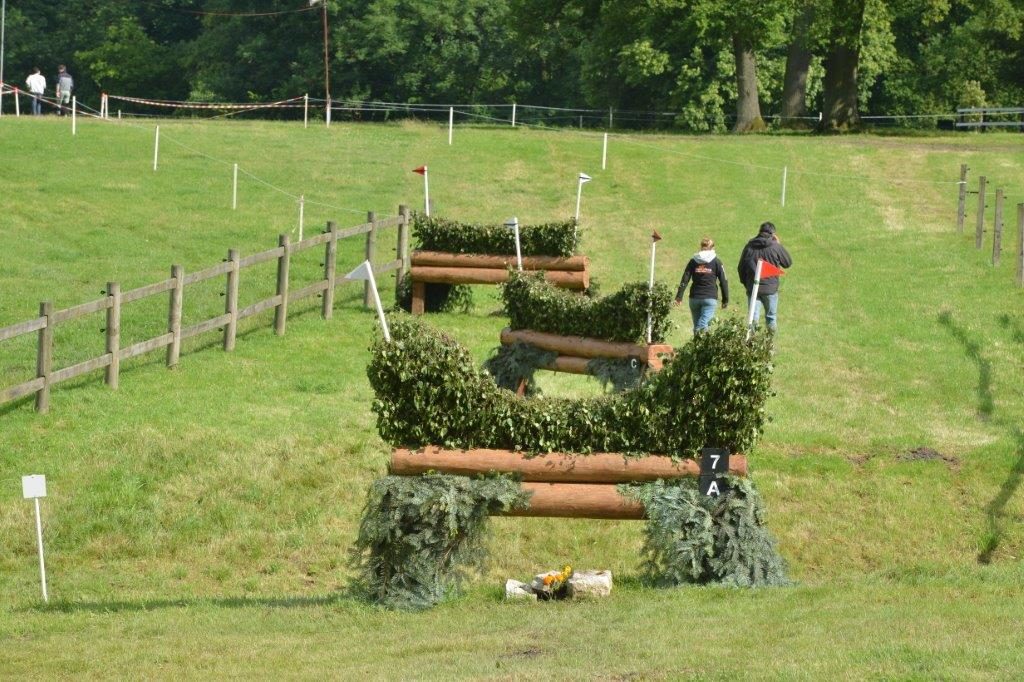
{"x":562,"y":485}
{"x":438,"y":267}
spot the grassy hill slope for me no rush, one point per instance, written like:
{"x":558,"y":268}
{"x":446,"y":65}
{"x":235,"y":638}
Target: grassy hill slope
{"x":199,"y":519}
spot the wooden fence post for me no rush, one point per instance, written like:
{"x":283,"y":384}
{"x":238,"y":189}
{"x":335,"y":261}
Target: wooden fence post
{"x":330,"y":262}
{"x":231,"y":304}
{"x":980,"y":231}
{"x":371,"y":248}
{"x":283,"y":262}
{"x":1020,"y":245}
{"x":403,"y":240}
{"x":44,"y":357}
{"x":174,"y":315}
{"x":997,"y":229}
{"x":114,"y":335}
{"x":961,"y":206}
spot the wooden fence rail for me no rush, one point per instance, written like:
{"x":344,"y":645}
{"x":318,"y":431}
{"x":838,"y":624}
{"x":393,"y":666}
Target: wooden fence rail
{"x":114,"y":300}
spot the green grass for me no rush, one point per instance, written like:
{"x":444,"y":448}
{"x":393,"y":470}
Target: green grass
{"x":199,"y":519}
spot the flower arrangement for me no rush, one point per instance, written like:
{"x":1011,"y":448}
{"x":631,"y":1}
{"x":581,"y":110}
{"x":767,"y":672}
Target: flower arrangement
{"x":553,"y":584}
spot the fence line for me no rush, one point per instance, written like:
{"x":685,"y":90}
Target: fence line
{"x":115,"y":299}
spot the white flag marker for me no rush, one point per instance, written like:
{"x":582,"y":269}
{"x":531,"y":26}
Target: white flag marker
{"x":422,"y":170}
{"x":156,"y":148}
{"x":32,"y":488}
{"x":513,"y":223}
{"x":604,"y":153}
{"x":513,"y":114}
{"x":655,"y":238}
{"x":785,"y":173}
{"x":583,"y":179}
{"x":302,"y":213}
{"x":451,"y":123}
{"x":305,"y":110}
{"x":74,"y":115}
{"x":234,"y":188}
{"x":364,"y":273}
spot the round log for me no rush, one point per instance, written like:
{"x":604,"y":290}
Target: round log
{"x":578,"y":501}
{"x":550,"y":468}
{"x":476,"y":260}
{"x":450,"y":275}
{"x":584,"y":347}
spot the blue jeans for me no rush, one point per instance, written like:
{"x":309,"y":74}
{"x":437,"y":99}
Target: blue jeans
{"x":770,"y":303}
{"x":703,"y":311}
{"x":37,"y":107}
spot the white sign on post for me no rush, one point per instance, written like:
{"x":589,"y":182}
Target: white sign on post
{"x":513,"y":224}
{"x":365,"y":273}
{"x":32,"y":488}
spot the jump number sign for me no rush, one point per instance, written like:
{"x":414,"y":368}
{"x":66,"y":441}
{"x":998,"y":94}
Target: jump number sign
{"x":714,"y":465}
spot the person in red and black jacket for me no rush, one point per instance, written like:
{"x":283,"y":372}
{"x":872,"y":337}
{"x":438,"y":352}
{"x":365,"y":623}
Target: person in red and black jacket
{"x":707,"y":273}
{"x":765,"y":246}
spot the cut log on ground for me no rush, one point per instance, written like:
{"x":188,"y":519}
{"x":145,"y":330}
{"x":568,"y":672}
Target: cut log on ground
{"x":578,"y":501}
{"x":552,"y":467}
{"x":566,"y":279}
{"x":475,"y":260}
{"x":583,"y":347}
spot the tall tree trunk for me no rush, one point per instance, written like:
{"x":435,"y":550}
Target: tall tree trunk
{"x":841,"y":63}
{"x":748,"y":105}
{"x":798,"y":66}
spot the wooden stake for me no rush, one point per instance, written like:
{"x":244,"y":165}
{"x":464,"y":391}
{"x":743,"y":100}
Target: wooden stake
{"x":231,"y":300}
{"x":114,"y":335}
{"x":330,"y":274}
{"x":283,"y":265}
{"x":44,"y":358}
{"x":403,"y":239}
{"x":980,"y":231}
{"x":961,"y":206}
{"x":371,"y":252}
{"x":997,"y":229}
{"x":174,"y":315}
{"x":1020,"y":245}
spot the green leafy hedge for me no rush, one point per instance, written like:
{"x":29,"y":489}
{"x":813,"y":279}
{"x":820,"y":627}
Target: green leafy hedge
{"x":429,"y":391}
{"x":431,"y":233}
{"x":533,"y":303}
{"x":418,"y":535}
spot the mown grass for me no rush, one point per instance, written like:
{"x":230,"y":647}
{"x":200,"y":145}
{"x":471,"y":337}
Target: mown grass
{"x":199,"y":519}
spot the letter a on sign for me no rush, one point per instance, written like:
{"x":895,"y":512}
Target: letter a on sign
{"x":712,"y":486}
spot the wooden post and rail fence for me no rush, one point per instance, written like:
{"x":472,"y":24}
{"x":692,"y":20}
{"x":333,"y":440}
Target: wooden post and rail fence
{"x":115,"y":299}
{"x":998,"y":221}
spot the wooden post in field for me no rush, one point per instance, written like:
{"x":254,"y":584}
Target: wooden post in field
{"x":174,"y":315}
{"x":980,"y":231}
{"x":330,"y":260}
{"x":371,"y":249}
{"x":961,"y":206}
{"x":403,"y":240}
{"x":114,"y":335}
{"x":231,"y":302}
{"x":44,"y":357}
{"x":997,"y":229}
{"x":1020,"y":245}
{"x":283,"y":263}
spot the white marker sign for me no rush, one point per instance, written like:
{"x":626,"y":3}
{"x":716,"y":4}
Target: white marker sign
{"x":513,"y":224}
{"x":583,"y":179}
{"x":365,"y":273}
{"x":32,"y":488}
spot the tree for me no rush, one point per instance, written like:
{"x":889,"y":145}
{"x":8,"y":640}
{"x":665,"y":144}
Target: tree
{"x":798,"y":65}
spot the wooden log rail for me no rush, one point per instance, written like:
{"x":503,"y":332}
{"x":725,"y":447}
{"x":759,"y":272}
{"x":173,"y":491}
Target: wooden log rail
{"x":115,"y":299}
{"x":436,"y":267}
{"x":561,"y":485}
{"x":576,"y":352}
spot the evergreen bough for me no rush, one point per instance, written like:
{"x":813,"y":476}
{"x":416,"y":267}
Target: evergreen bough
{"x":433,"y":233}
{"x":420,"y":534}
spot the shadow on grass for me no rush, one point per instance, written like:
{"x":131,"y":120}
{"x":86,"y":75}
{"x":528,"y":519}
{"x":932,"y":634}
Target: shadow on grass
{"x":972,"y":348}
{"x":226,"y":602}
{"x":1014,"y":327}
{"x":996,"y":509}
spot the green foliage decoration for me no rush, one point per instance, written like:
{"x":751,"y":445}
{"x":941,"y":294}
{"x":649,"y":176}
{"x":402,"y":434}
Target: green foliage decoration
{"x":516,"y":362}
{"x":621,"y":374}
{"x":433,"y":233}
{"x":692,"y":538}
{"x":533,"y":303}
{"x":430,"y":392}
{"x":418,"y":535}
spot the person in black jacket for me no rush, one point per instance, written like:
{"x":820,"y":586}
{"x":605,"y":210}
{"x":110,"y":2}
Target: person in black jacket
{"x":707,"y":272}
{"x":766,"y":246}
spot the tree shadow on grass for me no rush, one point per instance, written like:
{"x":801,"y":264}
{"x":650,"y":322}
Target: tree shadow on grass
{"x":996,"y":509}
{"x":986,"y":404}
{"x":1015,"y":328}
{"x":225,"y":602}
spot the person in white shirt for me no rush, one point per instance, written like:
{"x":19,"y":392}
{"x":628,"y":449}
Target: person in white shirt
{"x":36,"y":83}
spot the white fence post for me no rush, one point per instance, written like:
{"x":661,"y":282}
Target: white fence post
{"x":451,"y":123}
{"x":156,"y":148}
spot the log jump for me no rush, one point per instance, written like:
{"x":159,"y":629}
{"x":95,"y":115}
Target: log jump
{"x":562,"y":485}
{"x":437,"y":267}
{"x":573,"y":348}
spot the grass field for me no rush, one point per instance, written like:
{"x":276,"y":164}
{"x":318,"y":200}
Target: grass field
{"x":199,"y":519}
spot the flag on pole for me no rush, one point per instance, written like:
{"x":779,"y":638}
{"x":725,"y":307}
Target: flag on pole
{"x":364,"y":273}
{"x":585,"y":178}
{"x":655,"y":237}
{"x":422,"y":170}
{"x":769,"y":270}
{"x":513,"y":224}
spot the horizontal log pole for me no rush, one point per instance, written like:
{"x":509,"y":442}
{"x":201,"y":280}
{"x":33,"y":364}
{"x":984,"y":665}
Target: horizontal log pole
{"x":584,"y":347}
{"x":475,"y":260}
{"x":578,"y":501}
{"x":448,"y":275}
{"x":556,"y":467}
{"x":22,"y":328}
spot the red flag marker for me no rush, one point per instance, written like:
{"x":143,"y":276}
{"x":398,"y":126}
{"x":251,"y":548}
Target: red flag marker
{"x":769,"y":270}
{"x":655,"y":236}
{"x":422,"y":170}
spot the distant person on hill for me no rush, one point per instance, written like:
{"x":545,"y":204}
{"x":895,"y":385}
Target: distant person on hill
{"x":707,"y":273}
{"x":766,"y":246}
{"x":65,"y":84}
{"x":36,"y":83}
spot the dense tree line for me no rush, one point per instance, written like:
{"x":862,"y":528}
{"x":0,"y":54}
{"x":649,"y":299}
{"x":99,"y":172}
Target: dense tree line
{"x":715,"y":64}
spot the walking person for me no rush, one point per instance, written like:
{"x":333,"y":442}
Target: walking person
{"x":36,"y":83}
{"x":707,"y":273}
{"x":765,"y":246}
{"x":65,"y":84}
